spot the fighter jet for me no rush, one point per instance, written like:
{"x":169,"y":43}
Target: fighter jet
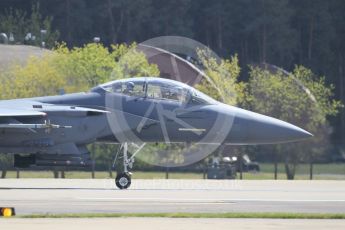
{"x":55,"y":130}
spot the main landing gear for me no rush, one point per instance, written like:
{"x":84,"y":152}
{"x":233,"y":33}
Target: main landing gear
{"x":123,"y":179}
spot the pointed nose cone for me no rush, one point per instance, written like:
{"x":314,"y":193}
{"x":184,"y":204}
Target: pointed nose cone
{"x":254,"y":128}
{"x":268,"y":130}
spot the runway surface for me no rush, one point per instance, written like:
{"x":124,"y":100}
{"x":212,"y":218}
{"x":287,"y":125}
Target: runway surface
{"x":170,"y":224}
{"x":100,"y":196}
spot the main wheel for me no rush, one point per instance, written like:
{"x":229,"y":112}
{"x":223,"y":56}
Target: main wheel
{"x":123,"y":180}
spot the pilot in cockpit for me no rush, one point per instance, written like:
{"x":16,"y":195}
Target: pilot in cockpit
{"x":129,"y":88}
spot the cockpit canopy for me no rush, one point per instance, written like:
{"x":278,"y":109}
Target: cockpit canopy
{"x":157,"y":88}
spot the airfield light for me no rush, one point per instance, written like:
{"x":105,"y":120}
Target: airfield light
{"x":4,"y":36}
{"x":11,"y":39}
{"x":28,"y":36}
{"x":96,"y":39}
{"x":43,"y":33}
{"x":7,"y":212}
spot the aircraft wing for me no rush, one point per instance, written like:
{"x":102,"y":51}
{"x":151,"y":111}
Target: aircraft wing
{"x":19,"y":113}
{"x":28,"y":108}
{"x":12,"y":110}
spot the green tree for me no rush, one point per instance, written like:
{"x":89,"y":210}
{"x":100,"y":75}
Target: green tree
{"x":73,"y":19}
{"x":131,"y":62}
{"x":300,"y":98}
{"x":222,"y":81}
{"x":271,"y":26}
{"x":40,"y":76}
{"x":315,"y":34}
{"x":337,"y":64}
{"x":19,"y":23}
{"x":85,"y":67}
{"x":93,"y":64}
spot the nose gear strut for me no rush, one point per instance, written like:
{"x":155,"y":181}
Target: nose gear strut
{"x":123,"y":179}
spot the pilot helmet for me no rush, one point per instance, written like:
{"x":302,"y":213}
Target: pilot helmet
{"x":130,"y":85}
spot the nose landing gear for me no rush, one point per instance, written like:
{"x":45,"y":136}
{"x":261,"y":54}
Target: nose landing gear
{"x":123,"y":179}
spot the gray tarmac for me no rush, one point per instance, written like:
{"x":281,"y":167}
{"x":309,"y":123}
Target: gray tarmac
{"x":169,"y":224}
{"x":30,"y":196}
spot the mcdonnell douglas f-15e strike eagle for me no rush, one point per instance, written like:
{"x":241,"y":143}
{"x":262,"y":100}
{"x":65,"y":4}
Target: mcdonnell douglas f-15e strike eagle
{"x":55,"y":130}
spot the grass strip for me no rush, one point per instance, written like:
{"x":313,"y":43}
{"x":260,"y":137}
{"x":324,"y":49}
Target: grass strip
{"x":265,"y":215}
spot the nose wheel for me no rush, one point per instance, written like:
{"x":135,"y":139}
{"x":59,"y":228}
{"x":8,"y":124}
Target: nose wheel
{"x":123,"y":180}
